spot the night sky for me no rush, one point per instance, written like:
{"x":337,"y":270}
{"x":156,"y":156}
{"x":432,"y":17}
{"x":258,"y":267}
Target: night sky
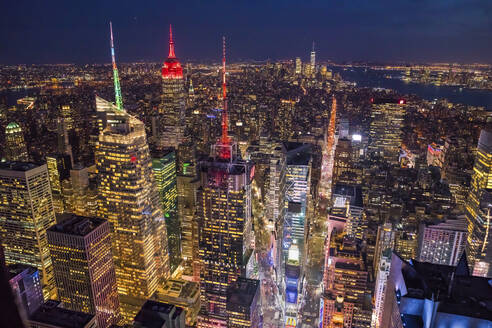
{"x":67,"y":31}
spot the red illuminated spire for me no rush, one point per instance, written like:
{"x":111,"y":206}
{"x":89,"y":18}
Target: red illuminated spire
{"x":172,"y":68}
{"x":171,"y":43}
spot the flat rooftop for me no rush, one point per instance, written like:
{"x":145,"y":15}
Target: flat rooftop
{"x":15,"y":269}
{"x":18,"y":166}
{"x":51,"y":314}
{"x":243,"y":291}
{"x":154,"y":314}
{"x":72,"y":224}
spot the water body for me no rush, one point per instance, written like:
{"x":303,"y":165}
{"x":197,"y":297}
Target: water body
{"x":377,"y":79}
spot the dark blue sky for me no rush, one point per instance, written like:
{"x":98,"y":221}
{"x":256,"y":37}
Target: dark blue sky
{"x":54,"y":31}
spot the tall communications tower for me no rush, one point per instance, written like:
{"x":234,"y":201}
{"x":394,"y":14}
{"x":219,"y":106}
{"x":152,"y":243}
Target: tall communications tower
{"x":117,"y":88}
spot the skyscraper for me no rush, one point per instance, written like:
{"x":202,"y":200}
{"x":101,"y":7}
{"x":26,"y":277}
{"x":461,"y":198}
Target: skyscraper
{"x":59,"y":166}
{"x":164,"y":167}
{"x":478,"y":205}
{"x":385,"y":134}
{"x":15,"y":146}
{"x":173,"y":98}
{"x":298,"y":69}
{"x":187,"y":184}
{"x":224,"y":211}
{"x":80,"y":248}
{"x":442,"y":243}
{"x":27,"y":211}
{"x":313,"y":60}
{"x":129,"y":200}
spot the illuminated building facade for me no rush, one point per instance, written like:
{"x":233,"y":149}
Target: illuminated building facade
{"x":442,"y":243}
{"x":283,"y":122}
{"x":187,"y":184}
{"x":27,"y":211}
{"x":15,"y":146}
{"x":224,"y":211}
{"x":435,"y":154}
{"x":385,"y":134}
{"x":346,"y":300}
{"x":59,"y":166}
{"x":224,"y":214}
{"x":313,"y":60}
{"x":164,"y":167}
{"x":382,"y":273}
{"x":129,"y":200}
{"x":298,"y":69}
{"x":478,"y":204}
{"x":85,"y":278}
{"x":26,"y":285}
{"x":173,"y":98}
{"x":243,"y":303}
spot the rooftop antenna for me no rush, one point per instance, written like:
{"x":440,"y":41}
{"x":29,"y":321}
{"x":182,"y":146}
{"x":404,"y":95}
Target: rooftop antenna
{"x":117,"y":88}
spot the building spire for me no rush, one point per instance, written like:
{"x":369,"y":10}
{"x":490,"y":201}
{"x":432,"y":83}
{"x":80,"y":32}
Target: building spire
{"x":171,"y":43}
{"x":117,"y":88}
{"x":313,"y":47}
{"x":225,"y":137}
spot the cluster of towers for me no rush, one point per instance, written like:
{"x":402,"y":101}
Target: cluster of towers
{"x":109,"y":264}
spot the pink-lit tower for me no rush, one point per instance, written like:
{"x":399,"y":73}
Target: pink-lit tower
{"x":173,"y":99}
{"x":224,"y":213}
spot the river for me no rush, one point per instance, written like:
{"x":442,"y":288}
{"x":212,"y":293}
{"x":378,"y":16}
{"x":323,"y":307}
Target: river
{"x":377,"y":79}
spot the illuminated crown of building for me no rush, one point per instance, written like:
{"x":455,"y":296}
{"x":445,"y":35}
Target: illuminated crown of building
{"x":171,"y":69}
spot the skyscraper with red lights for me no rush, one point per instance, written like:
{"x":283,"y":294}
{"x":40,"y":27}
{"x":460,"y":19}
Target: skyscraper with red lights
{"x":224,"y":212}
{"x":173,"y":99}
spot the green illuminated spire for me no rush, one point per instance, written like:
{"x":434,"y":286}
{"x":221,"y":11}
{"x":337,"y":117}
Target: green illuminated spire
{"x":117,"y":88}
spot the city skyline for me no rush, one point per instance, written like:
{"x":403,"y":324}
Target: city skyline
{"x":423,"y":31}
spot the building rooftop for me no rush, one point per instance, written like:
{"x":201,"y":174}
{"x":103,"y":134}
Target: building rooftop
{"x":15,"y":269}
{"x":298,"y":153}
{"x":154,"y":314}
{"x":18,"y":166}
{"x":354,"y":193}
{"x":456,"y":290}
{"x":243,"y":292}
{"x":73,"y":224}
{"x":51,"y":314}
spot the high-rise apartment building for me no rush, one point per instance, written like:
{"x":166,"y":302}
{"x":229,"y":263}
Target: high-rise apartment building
{"x":15,"y":146}
{"x":26,"y":286}
{"x":442,"y":243}
{"x":385,"y":134}
{"x":173,"y":98}
{"x":27,"y":211}
{"x":85,"y":278}
{"x":129,"y":200}
{"x":478,"y":205}
{"x":164,"y":167}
